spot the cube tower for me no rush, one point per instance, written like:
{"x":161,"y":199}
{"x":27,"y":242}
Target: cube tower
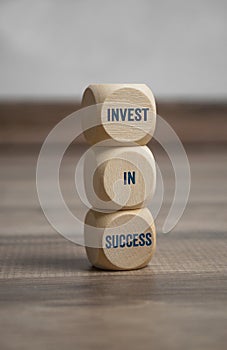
{"x":120,"y":175}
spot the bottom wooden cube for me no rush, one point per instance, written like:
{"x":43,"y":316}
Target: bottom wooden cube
{"x":122,"y":240}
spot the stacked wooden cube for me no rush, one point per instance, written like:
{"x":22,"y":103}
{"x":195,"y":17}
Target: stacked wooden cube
{"x":120,"y":175}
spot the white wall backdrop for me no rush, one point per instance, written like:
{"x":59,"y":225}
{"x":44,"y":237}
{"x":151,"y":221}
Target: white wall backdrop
{"x":53,"y":48}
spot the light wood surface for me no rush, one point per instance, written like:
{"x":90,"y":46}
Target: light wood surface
{"x":123,"y":113}
{"x":51,"y":298}
{"x":119,"y":177}
{"x":128,"y":244}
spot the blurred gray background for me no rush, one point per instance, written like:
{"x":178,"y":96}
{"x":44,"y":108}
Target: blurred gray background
{"x":53,"y":49}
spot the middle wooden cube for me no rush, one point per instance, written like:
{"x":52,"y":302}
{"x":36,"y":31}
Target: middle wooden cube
{"x":120,"y":177}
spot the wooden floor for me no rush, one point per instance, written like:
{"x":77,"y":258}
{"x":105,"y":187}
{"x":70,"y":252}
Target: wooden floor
{"x":51,"y":298}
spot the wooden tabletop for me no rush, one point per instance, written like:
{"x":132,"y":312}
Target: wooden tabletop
{"x":51,"y":298}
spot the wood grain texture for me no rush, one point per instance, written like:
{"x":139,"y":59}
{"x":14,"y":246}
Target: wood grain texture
{"x":51,"y":298}
{"x":26,"y":122}
{"x":137,"y":126}
{"x":106,"y":177}
{"x":128,"y":244}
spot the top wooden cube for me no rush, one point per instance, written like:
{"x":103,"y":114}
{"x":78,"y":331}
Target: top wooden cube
{"x":118,"y":114}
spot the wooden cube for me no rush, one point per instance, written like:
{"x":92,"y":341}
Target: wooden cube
{"x":122,"y":113}
{"x":119,"y":177}
{"x":122,"y":240}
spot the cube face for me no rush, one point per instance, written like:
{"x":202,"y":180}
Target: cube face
{"x":128,"y":239}
{"x":124,"y":114}
{"x":119,"y":178}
